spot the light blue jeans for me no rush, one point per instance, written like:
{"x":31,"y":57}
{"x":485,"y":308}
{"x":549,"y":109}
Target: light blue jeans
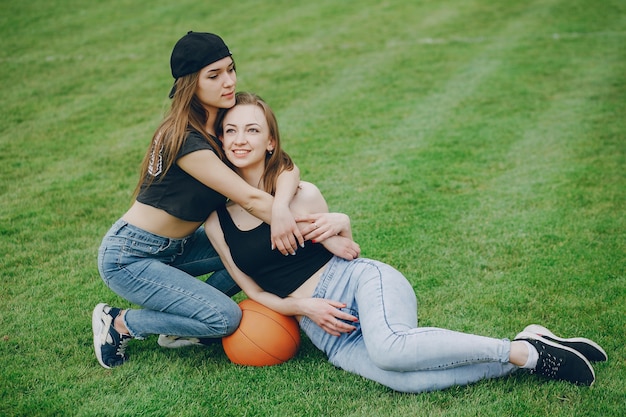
{"x":158,"y":274}
{"x":387,"y":345}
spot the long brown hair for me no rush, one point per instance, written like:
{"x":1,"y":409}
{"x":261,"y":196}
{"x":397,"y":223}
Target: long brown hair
{"x":276,"y":162}
{"x":185,"y":114}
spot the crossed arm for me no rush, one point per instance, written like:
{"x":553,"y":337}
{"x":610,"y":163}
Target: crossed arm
{"x":330,"y":229}
{"x":272,"y":210}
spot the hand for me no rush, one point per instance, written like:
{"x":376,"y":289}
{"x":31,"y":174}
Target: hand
{"x":326,"y":314}
{"x":342,"y":247}
{"x":286,"y":235}
{"x":321,"y":226}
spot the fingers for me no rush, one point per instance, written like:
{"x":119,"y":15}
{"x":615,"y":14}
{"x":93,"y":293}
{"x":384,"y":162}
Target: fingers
{"x":318,"y":236}
{"x":311,"y":230}
{"x":339,"y":321}
{"x":349,"y":256}
{"x":318,"y":232}
{"x":285,"y":246}
{"x":353,"y":252}
{"x":308,"y":218}
{"x":342,"y":317}
{"x":280,"y":246}
{"x":299,"y":237}
{"x":337,"y":327}
{"x":289,"y":244}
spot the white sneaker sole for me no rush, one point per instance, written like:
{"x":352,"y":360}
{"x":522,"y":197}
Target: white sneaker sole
{"x":570,"y":342}
{"x":98,"y":325}
{"x":175,"y":342}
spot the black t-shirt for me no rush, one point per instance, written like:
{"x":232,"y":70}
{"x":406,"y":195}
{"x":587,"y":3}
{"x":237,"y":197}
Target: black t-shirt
{"x":177,"y":192}
{"x":273,"y":271}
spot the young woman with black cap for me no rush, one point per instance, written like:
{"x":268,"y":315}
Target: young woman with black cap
{"x":153,"y":253}
{"x":362,"y":313}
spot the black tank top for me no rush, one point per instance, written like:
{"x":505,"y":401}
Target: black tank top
{"x":271,"y":270}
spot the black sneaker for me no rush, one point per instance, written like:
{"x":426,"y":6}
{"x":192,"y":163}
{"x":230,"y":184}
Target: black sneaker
{"x":108,"y":343}
{"x":589,"y":349}
{"x":559,"y":362}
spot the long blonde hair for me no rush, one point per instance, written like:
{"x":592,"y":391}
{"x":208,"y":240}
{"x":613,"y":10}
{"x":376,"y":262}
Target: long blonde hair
{"x":275,"y":162}
{"x":186,"y":113}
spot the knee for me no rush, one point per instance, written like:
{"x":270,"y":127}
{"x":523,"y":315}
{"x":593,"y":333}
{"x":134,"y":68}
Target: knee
{"x":221,"y":319}
{"x":385,"y":358}
{"x":232,"y":318}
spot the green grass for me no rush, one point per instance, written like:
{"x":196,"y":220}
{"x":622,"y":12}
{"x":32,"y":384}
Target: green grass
{"x":478,"y":146}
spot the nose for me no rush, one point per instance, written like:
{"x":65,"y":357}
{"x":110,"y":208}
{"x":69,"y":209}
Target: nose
{"x":230,"y":79}
{"x":240,"y":138}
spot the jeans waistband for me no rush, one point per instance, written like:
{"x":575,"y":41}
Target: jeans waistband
{"x":134,"y":231}
{"x":326,"y":278}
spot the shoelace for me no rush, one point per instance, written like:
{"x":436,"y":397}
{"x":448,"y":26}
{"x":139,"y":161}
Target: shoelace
{"x":550,"y":365}
{"x":121,"y":348}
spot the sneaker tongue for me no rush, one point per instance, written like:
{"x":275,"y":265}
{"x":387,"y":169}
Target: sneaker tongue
{"x":114,"y":312}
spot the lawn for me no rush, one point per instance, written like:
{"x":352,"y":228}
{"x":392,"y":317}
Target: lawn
{"x":478,"y":146}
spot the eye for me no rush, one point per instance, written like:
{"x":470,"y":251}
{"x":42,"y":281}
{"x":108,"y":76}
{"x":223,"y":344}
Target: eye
{"x":253,"y":130}
{"x":229,"y":130}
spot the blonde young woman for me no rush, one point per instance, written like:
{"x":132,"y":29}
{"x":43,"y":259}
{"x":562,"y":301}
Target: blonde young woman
{"x":153,"y":253}
{"x":362,"y":313}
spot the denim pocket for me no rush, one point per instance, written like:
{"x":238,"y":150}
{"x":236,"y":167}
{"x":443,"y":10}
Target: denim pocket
{"x":353,"y":312}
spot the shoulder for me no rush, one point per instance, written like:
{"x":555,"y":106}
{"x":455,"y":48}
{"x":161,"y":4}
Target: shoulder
{"x":194,"y":136}
{"x":309,"y":198}
{"x":308,"y":190}
{"x":195,"y":141}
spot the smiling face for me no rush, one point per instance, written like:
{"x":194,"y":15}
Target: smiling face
{"x":216,"y":84}
{"x":246,"y":137}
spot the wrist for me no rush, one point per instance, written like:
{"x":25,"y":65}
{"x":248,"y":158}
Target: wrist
{"x":280,"y":207}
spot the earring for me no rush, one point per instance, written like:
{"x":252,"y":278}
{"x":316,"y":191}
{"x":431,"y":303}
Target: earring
{"x":270,"y":152}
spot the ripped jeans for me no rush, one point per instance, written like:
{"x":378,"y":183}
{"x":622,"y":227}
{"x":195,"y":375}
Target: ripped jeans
{"x":387,"y":346}
{"x":158,"y":274}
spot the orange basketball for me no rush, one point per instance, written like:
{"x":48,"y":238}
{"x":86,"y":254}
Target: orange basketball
{"x":264,"y":337}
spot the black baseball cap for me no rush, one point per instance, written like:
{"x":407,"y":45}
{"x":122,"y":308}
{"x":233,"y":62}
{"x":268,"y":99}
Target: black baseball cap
{"x":195,"y":51}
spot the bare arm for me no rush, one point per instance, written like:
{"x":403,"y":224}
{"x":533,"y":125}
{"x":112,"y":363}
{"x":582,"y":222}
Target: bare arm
{"x":321,"y":226}
{"x":283,"y":224}
{"x":206,"y":167}
{"x":325,"y":313}
{"x":330,"y":229}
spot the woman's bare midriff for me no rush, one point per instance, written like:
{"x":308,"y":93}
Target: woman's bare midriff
{"x":159,"y":222}
{"x":307,"y":289}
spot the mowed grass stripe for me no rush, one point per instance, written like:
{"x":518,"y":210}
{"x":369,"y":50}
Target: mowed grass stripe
{"x":528,"y":224}
{"x":419,"y":137}
{"x":372,"y":118}
{"x":555,"y":149}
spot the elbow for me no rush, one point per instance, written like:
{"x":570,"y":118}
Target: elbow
{"x":253,"y":202}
